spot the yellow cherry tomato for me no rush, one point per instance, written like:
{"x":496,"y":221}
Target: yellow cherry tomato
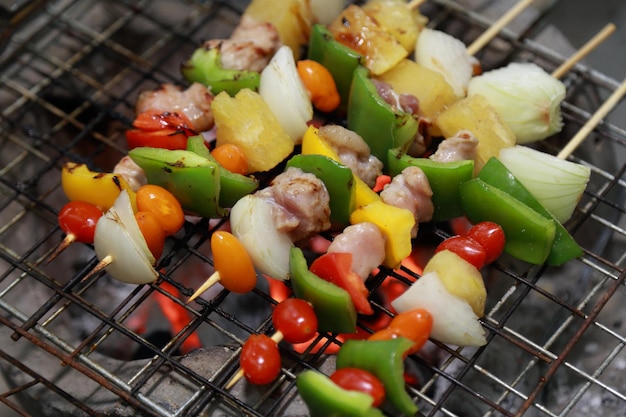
{"x":233,"y":263}
{"x":152,"y":232}
{"x":160,"y":202}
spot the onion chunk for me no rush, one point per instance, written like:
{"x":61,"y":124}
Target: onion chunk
{"x":556,"y":183}
{"x":118,"y":237}
{"x":526,"y":97}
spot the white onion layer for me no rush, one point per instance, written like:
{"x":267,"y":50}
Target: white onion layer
{"x":283,"y":91}
{"x":118,"y":236}
{"x":556,"y":183}
{"x":454,"y":321}
{"x":252,"y":222}
{"x":526,"y":97}
{"x":447,"y":55}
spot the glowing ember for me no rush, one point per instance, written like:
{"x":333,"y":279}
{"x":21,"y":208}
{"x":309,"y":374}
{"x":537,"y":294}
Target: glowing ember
{"x":177,"y":316}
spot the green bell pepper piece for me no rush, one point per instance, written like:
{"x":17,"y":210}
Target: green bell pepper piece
{"x":529,"y":235}
{"x":382,"y":127}
{"x":233,"y":186}
{"x":339,"y":182}
{"x":564,"y":248}
{"x":192,"y":179}
{"x":332,"y":305}
{"x":384,"y":359}
{"x":324,"y":398}
{"x":339,"y":59}
{"x":445,"y":179}
{"x":205,"y":67}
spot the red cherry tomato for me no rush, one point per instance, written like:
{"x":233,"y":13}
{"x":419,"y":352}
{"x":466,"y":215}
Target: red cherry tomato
{"x":295,"y":319}
{"x":355,"y":379}
{"x":467,"y":248}
{"x":79,"y":219}
{"x":163,"y":205}
{"x":260,"y":359}
{"x":491,"y":236}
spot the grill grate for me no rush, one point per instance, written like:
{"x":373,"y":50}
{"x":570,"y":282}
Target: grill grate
{"x":68,"y":83}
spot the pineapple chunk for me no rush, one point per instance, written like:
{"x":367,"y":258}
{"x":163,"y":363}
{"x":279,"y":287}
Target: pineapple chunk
{"x":403,"y":24}
{"x":292,"y":19}
{"x":247,"y":121}
{"x":430,"y":88}
{"x":475,"y":114}
{"x":359,"y":31}
{"x":459,"y":277}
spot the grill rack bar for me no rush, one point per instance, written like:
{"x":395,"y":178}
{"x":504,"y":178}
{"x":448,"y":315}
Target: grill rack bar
{"x":117,"y":107}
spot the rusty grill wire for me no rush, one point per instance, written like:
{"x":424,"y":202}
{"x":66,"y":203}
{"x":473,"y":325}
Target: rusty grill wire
{"x":69,"y":80}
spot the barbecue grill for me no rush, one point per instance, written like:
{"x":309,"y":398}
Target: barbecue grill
{"x":74,"y":346}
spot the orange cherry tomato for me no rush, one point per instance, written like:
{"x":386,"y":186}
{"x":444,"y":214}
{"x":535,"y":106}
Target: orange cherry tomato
{"x":233,"y":263}
{"x":415,"y":325}
{"x":320,"y":84}
{"x":384,"y":334}
{"x":163,"y":205}
{"x":152,"y":232}
{"x":231,"y":157}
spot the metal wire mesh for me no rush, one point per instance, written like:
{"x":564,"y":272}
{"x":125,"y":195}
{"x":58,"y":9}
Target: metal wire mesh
{"x":69,"y":80}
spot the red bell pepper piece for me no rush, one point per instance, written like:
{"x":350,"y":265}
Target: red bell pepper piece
{"x":156,"y":129}
{"x":336,"y":267}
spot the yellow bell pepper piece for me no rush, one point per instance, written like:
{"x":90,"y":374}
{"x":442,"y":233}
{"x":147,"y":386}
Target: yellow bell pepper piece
{"x":313,"y":144}
{"x":98,"y":188}
{"x":395,"y":224}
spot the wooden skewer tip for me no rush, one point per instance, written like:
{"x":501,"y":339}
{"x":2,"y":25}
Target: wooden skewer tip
{"x":212,"y":280}
{"x":64,"y":244}
{"x":104,"y":262}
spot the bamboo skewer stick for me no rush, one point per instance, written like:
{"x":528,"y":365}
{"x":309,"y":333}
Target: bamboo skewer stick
{"x":104,"y":262}
{"x":497,"y":26}
{"x":414,"y":4}
{"x":213,"y":279}
{"x":598,"y":116}
{"x":65,"y":243}
{"x":584,"y":51}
